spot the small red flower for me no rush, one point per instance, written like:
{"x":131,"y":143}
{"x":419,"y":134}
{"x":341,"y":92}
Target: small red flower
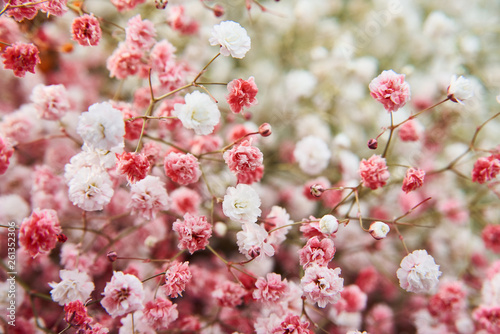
{"x":241,"y":94}
{"x":86,"y":30}
{"x":21,"y":58}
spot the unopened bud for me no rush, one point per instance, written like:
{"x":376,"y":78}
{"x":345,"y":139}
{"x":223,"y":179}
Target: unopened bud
{"x":372,"y":144}
{"x":112,"y":256}
{"x":379,"y":230}
{"x":317,"y":190}
{"x":219,"y":10}
{"x":328,"y":224}
{"x":62,"y":238}
{"x":220,"y":229}
{"x":265,"y":129}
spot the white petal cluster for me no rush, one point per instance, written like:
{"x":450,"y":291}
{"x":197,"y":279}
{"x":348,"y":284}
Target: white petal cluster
{"x":312,"y":154}
{"x":328,"y":224}
{"x":379,"y":230}
{"x":418,"y":272}
{"x":148,"y":197}
{"x":199,"y":113}
{"x":253,"y":243}
{"x":241,"y":204}
{"x":232,"y":38}
{"x":74,"y":285}
{"x":90,"y":188}
{"x":102,"y":127}
{"x":460,"y":89}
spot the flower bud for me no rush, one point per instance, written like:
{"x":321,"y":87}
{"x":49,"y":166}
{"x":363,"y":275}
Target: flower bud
{"x":112,"y":256}
{"x":459,"y":89}
{"x":379,"y":230}
{"x":219,"y":10}
{"x":265,"y":129}
{"x":317,"y":190}
{"x":62,"y":238}
{"x":328,"y":224}
{"x":372,"y":144}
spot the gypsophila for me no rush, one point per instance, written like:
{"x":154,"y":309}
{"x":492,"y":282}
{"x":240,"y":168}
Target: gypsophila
{"x":242,"y":204}
{"x":232,"y":38}
{"x":199,"y":113}
{"x":418,"y":272}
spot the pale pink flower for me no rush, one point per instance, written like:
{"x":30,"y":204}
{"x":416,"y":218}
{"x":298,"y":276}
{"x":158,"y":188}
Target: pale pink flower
{"x":54,"y":7}
{"x":413,"y":180}
{"x":491,"y":237}
{"x":418,"y":272}
{"x":353,"y":299}
{"x":486,"y":169}
{"x":252,"y":241}
{"x":178,"y":21}
{"x":76,"y":314}
{"x":6,"y":152}
{"x":38,"y":233}
{"x":134,"y":165}
{"x":125,"y":5}
{"x":312,"y":154}
{"x":9,"y":30}
{"x":242,"y":94}
{"x":185,"y":200}
{"x":140,"y":34}
{"x":182,"y":168}
{"x":277,"y":220}
{"x":86,"y":30}
{"x":74,"y":286}
{"x":176,"y":278}
{"x":124,"y":62}
{"x":322,"y":285}
{"x":410,"y":131}
{"x":390,"y":89}
{"x":251,"y":176}
{"x":148,"y":197}
{"x":232,"y":38}
{"x":292,"y":324}
{"x":152,"y":150}
{"x":316,"y":251}
{"x":160,"y":313}
{"x":162,"y":53}
{"x":486,"y":318}
{"x":205,"y":144}
{"x":380,"y":320}
{"x":21,"y":58}
{"x":373,"y":172}
{"x":123,"y":294}
{"x":271,"y":289}
{"x":229,"y":294}
{"x":243,"y":158}
{"x":242,"y":204}
{"x":193,"y":231}
{"x":51,"y":102}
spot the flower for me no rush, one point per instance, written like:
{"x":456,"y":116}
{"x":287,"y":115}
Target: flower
{"x":390,"y":89}
{"x":123,"y":294}
{"x":140,"y":34}
{"x":243,"y":158}
{"x":312,"y":154}
{"x":76,"y":314}
{"x":373,"y":172}
{"x":6,"y":151}
{"x":182,"y":168}
{"x":418,"y":272}
{"x":491,"y":238}
{"x":322,"y":285}
{"x":460,"y":89}
{"x":413,"y":180}
{"x":148,"y":197}
{"x":410,"y":131}
{"x":124,"y":62}
{"x":176,"y":278}
{"x":292,"y":324}
{"x":328,"y":224}
{"x":38,"y":233}
{"x":74,"y":285}
{"x":134,"y":165}
{"x":160,"y":313}
{"x":242,"y":204}
{"x":122,"y":5}
{"x":232,"y":38}
{"x":379,"y":230}
{"x":194,"y":232}
{"x":90,"y":188}
{"x":199,"y":113}
{"x":316,"y":251}
{"x":51,"y":102}
{"x":252,"y":242}
{"x":21,"y":58}
{"x":270,"y":289}
{"x":86,"y":30}
{"x":228,"y":294}
{"x":486,"y":169}
{"x":241,"y":94}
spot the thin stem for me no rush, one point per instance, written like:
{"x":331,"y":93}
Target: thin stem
{"x":391,"y":131}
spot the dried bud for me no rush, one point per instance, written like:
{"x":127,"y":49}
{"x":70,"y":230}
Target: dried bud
{"x":372,"y":144}
{"x":265,"y":129}
{"x":328,"y":224}
{"x":219,"y":10}
{"x":317,"y":190}
{"x":112,"y":256}
{"x":379,"y":230}
{"x":62,"y":238}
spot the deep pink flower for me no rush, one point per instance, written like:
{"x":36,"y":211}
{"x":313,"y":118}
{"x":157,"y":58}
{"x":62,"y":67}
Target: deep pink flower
{"x":76,"y":314}
{"x":123,"y":294}
{"x":124,"y":62}
{"x":270,"y":289}
{"x":491,"y":237}
{"x":140,"y":34}
{"x":21,"y":58}
{"x":322,"y":285}
{"x":243,"y":159}
{"x":487,"y":318}
{"x":185,"y":200}
{"x":194,"y":232}
{"x":317,"y":251}
{"x":176,"y":278}
{"x":390,"y":89}
{"x":353,"y":299}
{"x":182,"y":168}
{"x":134,"y":165}
{"x":229,"y":294}
{"x":373,"y":172}
{"x":251,"y":176}
{"x":242,"y":93}
{"x":486,"y":169}
{"x":86,"y":30}
{"x":20,"y":12}
{"x":38,"y":232}
{"x":449,"y":302}
{"x":160,"y":313}
{"x":133,"y":128}
{"x":413,"y":180}
{"x":292,"y":324}
{"x":6,"y":152}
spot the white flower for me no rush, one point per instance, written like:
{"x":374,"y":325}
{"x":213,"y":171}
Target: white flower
{"x":459,"y":89}
{"x":252,"y":241}
{"x":312,"y":154}
{"x":379,"y":230}
{"x":148,"y":197}
{"x":232,"y":38}
{"x":102,"y":127}
{"x":328,"y":224}
{"x":51,"y":102}
{"x":90,"y":157}
{"x":241,"y":204}
{"x":90,"y":188}
{"x":199,"y":113}
{"x":74,"y":285}
{"x":418,"y":273}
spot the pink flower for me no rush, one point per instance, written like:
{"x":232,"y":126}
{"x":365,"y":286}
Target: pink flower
{"x":86,"y":30}
{"x":205,"y":144}
{"x":229,"y":294}
{"x":413,"y":180}
{"x":182,"y":168}
{"x":140,"y":34}
{"x":373,"y":172}
{"x":176,"y":278}
{"x":278,"y":220}
{"x":177,"y":20}
{"x":51,"y":102}
{"x":160,"y":313}
{"x":270,"y":289}
{"x":38,"y":233}
{"x":409,"y":131}
{"x":124,"y":62}
{"x":148,"y":197}
{"x":486,"y":317}
{"x":418,"y":272}
{"x":134,"y":165}
{"x":486,"y":169}
{"x":317,"y":252}
{"x":243,"y":158}
{"x":380,"y":320}
{"x":449,"y":302}
{"x":123,"y":294}
{"x":194,"y":232}
{"x":54,"y":7}
{"x":133,"y":128}
{"x":491,"y":238}
{"x":122,"y":5}
{"x":162,"y":54}
{"x":185,"y":200}
{"x":76,"y":314}
{"x":251,"y":176}
{"x":241,"y":94}
{"x":390,"y":89}
{"x":6,"y":152}
{"x":322,"y":285}
{"x":21,"y":58}
{"x":20,"y":12}
{"x":293,"y":325}
{"x":353,"y":299}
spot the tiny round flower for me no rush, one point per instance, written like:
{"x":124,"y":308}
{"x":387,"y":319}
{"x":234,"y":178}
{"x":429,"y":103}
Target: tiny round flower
{"x":148,"y":197}
{"x":182,"y":168}
{"x":270,"y":289}
{"x":253,"y":242}
{"x":410,"y":131}
{"x":243,"y":158}
{"x":379,"y":230}
{"x":229,"y":294}
{"x":413,"y":180}
{"x":232,"y":38}
{"x":51,"y":102}
{"x":241,"y":94}
{"x":140,"y":34}
{"x":123,"y":294}
{"x":112,"y":256}
{"x":372,"y":144}
{"x":265,"y":130}
{"x":316,"y":251}
{"x":176,"y":278}
{"x":86,"y":30}
{"x":124,"y":62}
{"x":292,"y":324}
{"x":486,"y":169}
{"x":123,"y":5}
{"x":6,"y":152}
{"x":74,"y":286}
{"x":90,"y":188}
{"x":373,"y":172}
{"x":218,"y":10}
{"x":328,"y":224}
{"x":312,"y":154}
{"x":317,"y":190}
{"x":486,"y":317}
{"x":21,"y":58}
{"x":134,"y":165}
{"x":322,"y":285}
{"x":390,"y":89}
{"x":38,"y":233}
{"x":160,"y":313}
{"x":76,"y":314}
{"x":460,"y":89}
{"x":491,"y":238}
{"x":418,"y":272}
{"x":242,"y":204}
{"x":199,"y":112}
{"x":194,"y":232}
